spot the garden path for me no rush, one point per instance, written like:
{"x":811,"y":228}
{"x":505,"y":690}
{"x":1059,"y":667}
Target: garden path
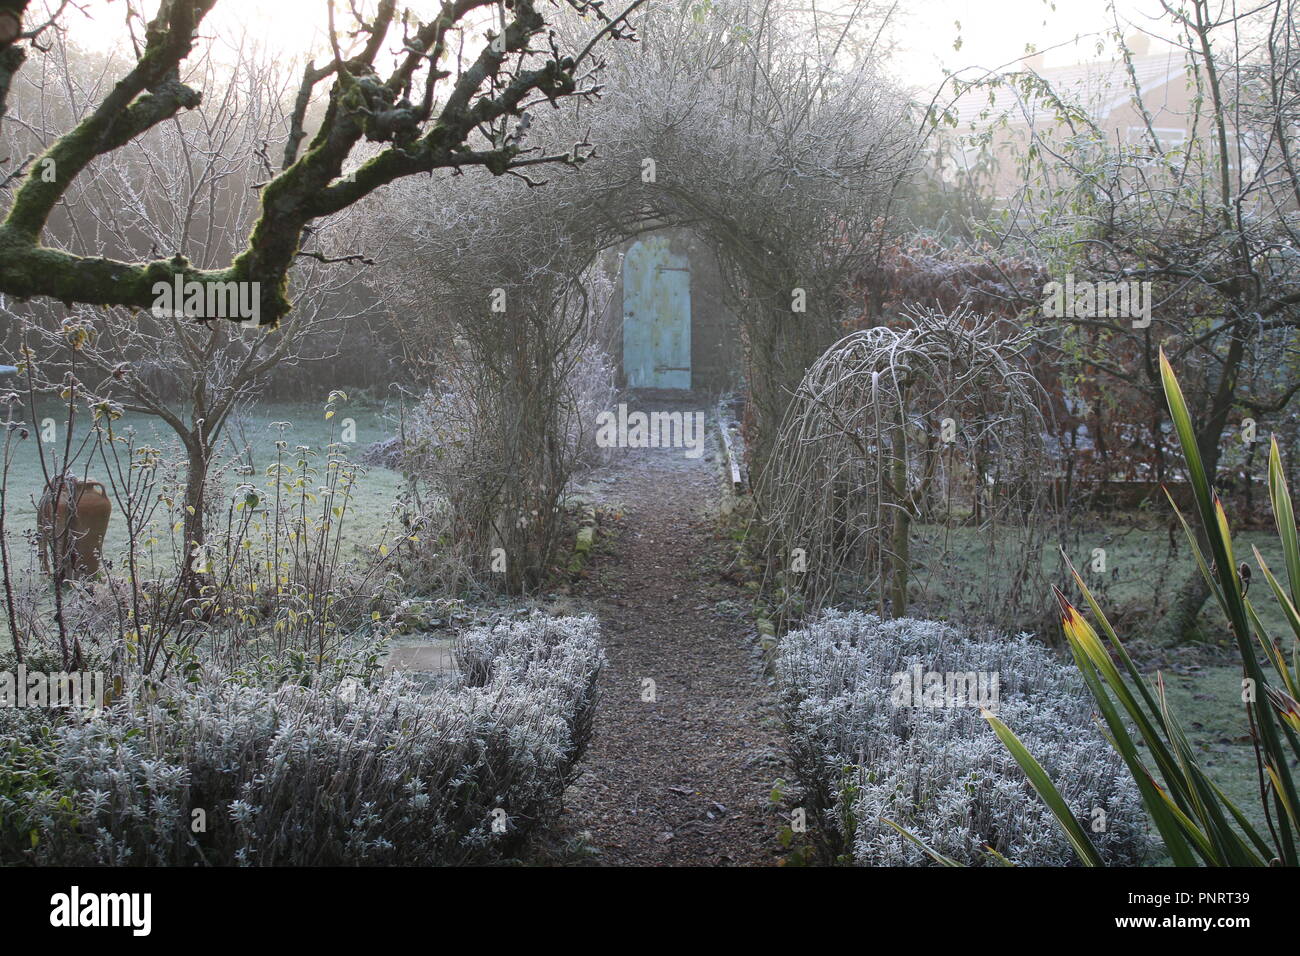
{"x":683,"y":778}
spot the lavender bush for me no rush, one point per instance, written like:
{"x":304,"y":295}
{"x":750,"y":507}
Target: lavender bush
{"x":862,"y":752}
{"x":216,"y":772}
{"x":538,"y":652}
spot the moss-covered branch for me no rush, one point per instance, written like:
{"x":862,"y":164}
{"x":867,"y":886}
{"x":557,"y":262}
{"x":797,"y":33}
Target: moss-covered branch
{"x":12,"y":55}
{"x":120,"y":117}
{"x":361,"y":105}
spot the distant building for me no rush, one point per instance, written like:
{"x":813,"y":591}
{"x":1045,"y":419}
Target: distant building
{"x":1010,"y":117}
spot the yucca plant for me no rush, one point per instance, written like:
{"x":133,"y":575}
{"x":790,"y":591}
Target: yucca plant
{"x":1198,"y":822}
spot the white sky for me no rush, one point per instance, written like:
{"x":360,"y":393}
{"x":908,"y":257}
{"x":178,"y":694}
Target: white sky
{"x":995,"y":32}
{"x":992,"y":32}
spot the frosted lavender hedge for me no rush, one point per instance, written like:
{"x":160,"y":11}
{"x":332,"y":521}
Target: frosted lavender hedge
{"x":883,"y":724}
{"x":219,"y":773}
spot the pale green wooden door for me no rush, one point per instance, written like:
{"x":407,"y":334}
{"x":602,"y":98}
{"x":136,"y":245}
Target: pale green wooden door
{"x":656,"y":316}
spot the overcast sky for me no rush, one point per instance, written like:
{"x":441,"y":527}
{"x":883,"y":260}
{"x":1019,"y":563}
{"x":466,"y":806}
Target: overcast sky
{"x":992,"y":32}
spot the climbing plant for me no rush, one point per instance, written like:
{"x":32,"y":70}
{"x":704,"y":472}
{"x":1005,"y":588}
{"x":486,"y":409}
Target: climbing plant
{"x":787,"y":176}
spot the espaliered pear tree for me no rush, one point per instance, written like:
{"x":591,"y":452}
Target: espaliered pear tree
{"x":428,"y":110}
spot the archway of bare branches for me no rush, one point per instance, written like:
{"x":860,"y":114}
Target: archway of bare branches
{"x":785,"y":167}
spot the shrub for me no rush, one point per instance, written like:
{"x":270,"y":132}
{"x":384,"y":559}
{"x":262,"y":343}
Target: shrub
{"x":862,"y":755}
{"x":321,"y":775}
{"x":539,"y":651}
{"x":509,"y":421}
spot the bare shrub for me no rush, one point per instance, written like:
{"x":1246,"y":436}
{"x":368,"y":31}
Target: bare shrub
{"x":505,"y":339}
{"x":900,"y":447}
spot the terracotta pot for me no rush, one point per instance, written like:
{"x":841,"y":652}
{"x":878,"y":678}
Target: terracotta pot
{"x":77,"y":525}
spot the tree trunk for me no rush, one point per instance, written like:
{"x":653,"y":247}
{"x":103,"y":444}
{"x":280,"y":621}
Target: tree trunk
{"x":902,"y":520}
{"x":11,"y":55}
{"x":1183,"y":611}
{"x":195,"y":531}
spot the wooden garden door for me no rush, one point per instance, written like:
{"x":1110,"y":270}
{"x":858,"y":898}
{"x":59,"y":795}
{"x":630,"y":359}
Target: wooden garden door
{"x":656,"y":315}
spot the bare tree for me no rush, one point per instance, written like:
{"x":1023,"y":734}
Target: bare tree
{"x":433,"y":109}
{"x":183,"y":184}
{"x":897,"y":441}
{"x":1211,"y":224}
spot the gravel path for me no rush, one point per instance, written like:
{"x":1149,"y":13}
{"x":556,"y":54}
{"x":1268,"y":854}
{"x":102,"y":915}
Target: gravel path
{"x":682,"y":779}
